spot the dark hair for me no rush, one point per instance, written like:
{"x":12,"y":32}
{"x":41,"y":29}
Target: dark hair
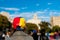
{"x":18,"y":26}
{"x":42,"y":30}
{"x":29,"y":32}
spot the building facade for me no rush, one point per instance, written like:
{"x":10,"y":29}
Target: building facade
{"x":35,"y":20}
{"x":55,"y":20}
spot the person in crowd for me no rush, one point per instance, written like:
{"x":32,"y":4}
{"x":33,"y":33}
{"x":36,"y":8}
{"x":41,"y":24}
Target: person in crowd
{"x":35,"y":36}
{"x":51,"y":35}
{"x":19,"y":28}
{"x":0,"y":35}
{"x":59,"y":33}
{"x":7,"y":36}
{"x":22,"y":36}
{"x":3,"y":36}
{"x":56,"y":36}
{"x":43,"y":36}
{"x":30,"y":33}
{"x":47,"y":34}
{"x":38,"y":33}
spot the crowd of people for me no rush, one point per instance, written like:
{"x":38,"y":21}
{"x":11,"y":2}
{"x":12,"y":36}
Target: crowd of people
{"x":5,"y":36}
{"x":40,"y":35}
{"x":36,"y":35}
{"x":54,"y":35}
{"x":45,"y":35}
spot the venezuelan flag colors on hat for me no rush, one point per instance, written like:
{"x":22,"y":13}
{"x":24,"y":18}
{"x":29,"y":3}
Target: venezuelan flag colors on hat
{"x":19,"y":21}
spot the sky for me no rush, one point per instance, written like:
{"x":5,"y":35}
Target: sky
{"x":27,"y":8}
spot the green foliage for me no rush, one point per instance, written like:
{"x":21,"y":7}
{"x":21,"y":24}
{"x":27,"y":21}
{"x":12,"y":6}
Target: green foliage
{"x":4,"y":22}
{"x":56,"y":28}
{"x":45,"y":25}
{"x":31,"y":26}
{"x":47,"y":29}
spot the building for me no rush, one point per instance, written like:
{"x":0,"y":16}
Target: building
{"x":55,"y":20}
{"x":35,"y":20}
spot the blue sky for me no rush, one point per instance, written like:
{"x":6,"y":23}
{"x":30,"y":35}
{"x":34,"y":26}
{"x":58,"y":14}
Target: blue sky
{"x":27,"y":8}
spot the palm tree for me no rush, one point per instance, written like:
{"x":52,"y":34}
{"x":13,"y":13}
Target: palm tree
{"x":45,"y":25}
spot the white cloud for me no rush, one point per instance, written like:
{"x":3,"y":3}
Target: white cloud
{"x":54,"y":13}
{"x":49,"y":3}
{"x":45,"y":17}
{"x":47,"y":9}
{"x":24,"y":8}
{"x":40,"y":14}
{"x":28,"y":14}
{"x":24,"y":14}
{"x":37,"y":4}
{"x":11,"y":9}
{"x":14,"y":9}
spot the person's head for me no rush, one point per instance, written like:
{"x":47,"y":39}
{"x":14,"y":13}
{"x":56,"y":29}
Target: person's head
{"x":34,"y":31}
{"x":8,"y":33}
{"x":30,"y":32}
{"x":42,"y":30}
{"x":58,"y":31}
{"x":18,"y":26}
{"x":55,"y":32}
{"x":24,"y":29}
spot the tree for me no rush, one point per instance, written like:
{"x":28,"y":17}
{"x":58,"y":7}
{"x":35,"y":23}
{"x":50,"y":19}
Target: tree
{"x":4,"y":23}
{"x":45,"y":25}
{"x":31,"y":26}
{"x":56,"y":28}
